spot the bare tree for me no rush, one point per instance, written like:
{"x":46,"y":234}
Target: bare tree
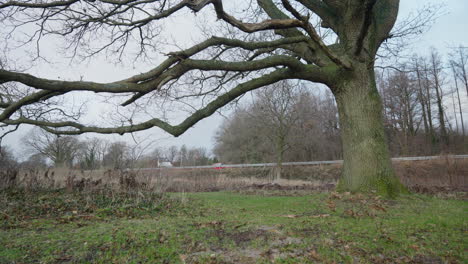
{"x":61,"y":150}
{"x":462,"y":122}
{"x":156,"y":156}
{"x":459,"y":62}
{"x":237,"y":140}
{"x":136,"y":153}
{"x":221,"y":69}
{"x":183,"y":155}
{"x":7,"y":159}
{"x":436,"y":73}
{"x":116,"y":156}
{"x":92,"y":153}
{"x":422,"y":95}
{"x":273,"y":111}
{"x":302,"y":128}
{"x":429,"y":99}
{"x":402,"y":112}
{"x":197,"y":157}
{"x":171,"y":153}
{"x":415,"y":94}
{"x":8,"y":168}
{"x":35,"y":161}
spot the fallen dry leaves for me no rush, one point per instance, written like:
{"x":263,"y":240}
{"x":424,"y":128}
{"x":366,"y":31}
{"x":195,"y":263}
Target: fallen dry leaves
{"x":332,"y":205}
{"x":356,"y":205}
{"x":314,"y":255}
{"x":415,"y":247}
{"x":210,"y":224}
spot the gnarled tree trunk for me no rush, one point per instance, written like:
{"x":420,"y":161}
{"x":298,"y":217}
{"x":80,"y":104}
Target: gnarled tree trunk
{"x":367,"y":166}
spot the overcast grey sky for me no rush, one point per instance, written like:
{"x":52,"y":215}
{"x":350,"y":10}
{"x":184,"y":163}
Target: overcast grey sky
{"x":450,"y":29}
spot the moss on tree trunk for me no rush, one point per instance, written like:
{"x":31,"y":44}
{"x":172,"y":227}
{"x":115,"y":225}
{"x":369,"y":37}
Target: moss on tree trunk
{"x":367,"y":166}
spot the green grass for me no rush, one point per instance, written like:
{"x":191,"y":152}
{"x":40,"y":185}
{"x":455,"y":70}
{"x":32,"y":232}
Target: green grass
{"x":222,"y":227}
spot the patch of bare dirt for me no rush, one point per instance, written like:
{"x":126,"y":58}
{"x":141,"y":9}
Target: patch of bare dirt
{"x":271,"y":237}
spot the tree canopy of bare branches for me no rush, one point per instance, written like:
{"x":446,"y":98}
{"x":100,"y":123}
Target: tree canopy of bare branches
{"x":271,"y":41}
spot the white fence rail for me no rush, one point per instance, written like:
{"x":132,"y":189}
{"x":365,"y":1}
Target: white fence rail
{"x":305,"y":163}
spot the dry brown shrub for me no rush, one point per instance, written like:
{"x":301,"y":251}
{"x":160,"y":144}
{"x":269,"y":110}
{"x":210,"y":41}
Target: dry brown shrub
{"x":8,"y":178}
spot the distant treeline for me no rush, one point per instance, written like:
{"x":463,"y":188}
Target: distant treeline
{"x":49,"y":150}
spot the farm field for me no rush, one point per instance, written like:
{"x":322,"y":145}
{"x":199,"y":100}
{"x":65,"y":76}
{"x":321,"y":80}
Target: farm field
{"x":231,"y":227}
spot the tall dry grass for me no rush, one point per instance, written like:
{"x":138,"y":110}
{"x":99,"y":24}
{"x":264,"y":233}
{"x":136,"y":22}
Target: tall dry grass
{"x":445,"y":172}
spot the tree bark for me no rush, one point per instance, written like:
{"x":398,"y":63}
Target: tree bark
{"x":459,"y":101}
{"x":367,"y":166}
{"x":279,"y":158}
{"x":429,"y":111}
{"x":440,"y":107}
{"x":422,"y":101}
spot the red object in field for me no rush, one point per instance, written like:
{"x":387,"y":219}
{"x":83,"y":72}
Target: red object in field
{"x":217,"y":166}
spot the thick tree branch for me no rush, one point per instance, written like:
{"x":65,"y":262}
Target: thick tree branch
{"x":210,"y":65}
{"x":37,"y":5}
{"x":153,"y":78}
{"x":246,"y":27}
{"x":323,"y":11}
{"x":29,"y":99}
{"x":213,"y":41}
{"x":367,"y":20}
{"x":385,"y":19}
{"x":316,"y":43}
{"x":66,"y":86}
{"x":174,"y":67}
{"x":282,"y":74}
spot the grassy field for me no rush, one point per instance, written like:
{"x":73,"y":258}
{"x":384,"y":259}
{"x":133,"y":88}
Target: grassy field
{"x":223,"y":227}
